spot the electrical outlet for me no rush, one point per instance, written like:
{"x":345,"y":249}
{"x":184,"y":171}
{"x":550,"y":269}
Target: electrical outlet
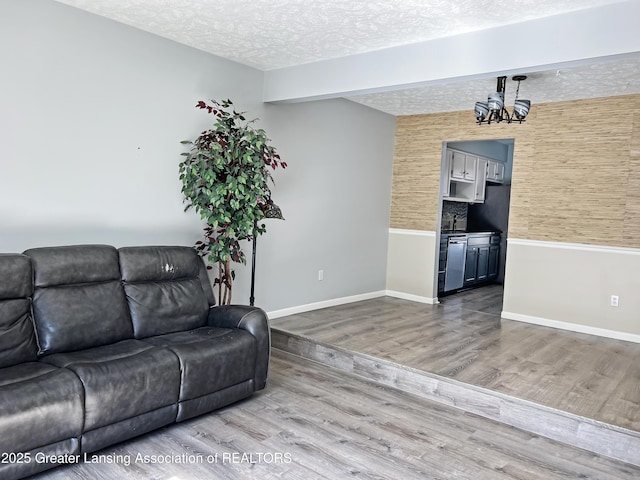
{"x":615,"y":300}
{"x":320,"y":275}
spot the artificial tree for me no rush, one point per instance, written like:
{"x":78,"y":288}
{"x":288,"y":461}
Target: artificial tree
{"x":225,"y":179}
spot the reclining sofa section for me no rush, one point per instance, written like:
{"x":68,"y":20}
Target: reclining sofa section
{"x":99,"y":345}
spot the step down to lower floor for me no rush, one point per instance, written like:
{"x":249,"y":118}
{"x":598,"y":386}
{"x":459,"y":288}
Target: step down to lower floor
{"x":592,"y":435}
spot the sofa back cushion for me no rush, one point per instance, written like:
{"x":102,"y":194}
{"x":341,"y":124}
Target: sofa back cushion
{"x":163,"y":289}
{"x":17,"y":341}
{"x":78,"y":301}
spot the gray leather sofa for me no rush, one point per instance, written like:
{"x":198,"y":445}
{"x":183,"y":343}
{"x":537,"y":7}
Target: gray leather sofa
{"x":99,"y":345}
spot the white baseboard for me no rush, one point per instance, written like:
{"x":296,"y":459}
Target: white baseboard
{"x":574,"y":327}
{"x":324,"y":304}
{"x":413,"y":298}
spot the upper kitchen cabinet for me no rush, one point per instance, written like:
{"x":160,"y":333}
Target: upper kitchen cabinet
{"x":465,"y":177}
{"x":480,"y":185}
{"x":495,"y":171}
{"x":463,"y":166}
{"x":498,"y":153}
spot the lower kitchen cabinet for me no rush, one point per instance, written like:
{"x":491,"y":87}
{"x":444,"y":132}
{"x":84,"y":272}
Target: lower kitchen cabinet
{"x":481,"y":260}
{"x":482,"y":272}
{"x":442,"y":264}
{"x":494,"y":254}
{"x":470,"y":266}
{"x":480,"y":253}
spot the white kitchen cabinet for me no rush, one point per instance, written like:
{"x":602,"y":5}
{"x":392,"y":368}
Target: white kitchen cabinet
{"x":465,"y":177}
{"x":446,"y":182}
{"x":457,"y":165}
{"x":480,"y":182}
{"x":495,"y":172}
{"x":471,"y":168}
{"x":463,"y":166}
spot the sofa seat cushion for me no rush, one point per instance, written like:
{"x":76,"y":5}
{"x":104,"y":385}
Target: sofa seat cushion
{"x":34,"y":397}
{"x":211,"y":359}
{"x":122,"y":380}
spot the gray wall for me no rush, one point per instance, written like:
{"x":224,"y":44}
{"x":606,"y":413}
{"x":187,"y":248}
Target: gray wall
{"x":91,"y":115}
{"x":335,"y":195}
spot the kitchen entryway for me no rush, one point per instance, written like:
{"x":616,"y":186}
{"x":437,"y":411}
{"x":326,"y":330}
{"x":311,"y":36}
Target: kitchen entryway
{"x":474,"y":215}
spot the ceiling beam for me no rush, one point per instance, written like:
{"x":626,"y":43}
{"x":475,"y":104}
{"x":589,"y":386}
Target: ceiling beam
{"x":584,"y":37}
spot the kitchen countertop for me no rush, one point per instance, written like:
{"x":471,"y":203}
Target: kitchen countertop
{"x":468,"y":232}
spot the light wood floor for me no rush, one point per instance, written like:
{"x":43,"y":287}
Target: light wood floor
{"x":328,"y":424}
{"x":464,"y":338}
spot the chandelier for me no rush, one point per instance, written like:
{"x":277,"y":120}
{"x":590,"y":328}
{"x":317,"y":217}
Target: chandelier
{"x":493,"y":109}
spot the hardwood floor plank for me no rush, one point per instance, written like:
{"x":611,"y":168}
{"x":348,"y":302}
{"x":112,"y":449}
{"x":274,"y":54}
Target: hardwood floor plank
{"x":464,"y":338}
{"x":333,"y":425}
{"x":552,"y":423}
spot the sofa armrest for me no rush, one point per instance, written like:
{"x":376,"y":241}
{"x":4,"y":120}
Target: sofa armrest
{"x":255,"y":321}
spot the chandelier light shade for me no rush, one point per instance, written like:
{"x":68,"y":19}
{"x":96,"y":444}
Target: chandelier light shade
{"x":493,"y":110}
{"x":521,"y":109}
{"x":496,"y":101}
{"x":481,"y":110}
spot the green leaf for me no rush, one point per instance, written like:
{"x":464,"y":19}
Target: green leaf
{"x":222,"y":177}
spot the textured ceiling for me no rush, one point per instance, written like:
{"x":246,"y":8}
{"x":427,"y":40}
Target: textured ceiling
{"x":620,"y":77}
{"x":280,"y":33}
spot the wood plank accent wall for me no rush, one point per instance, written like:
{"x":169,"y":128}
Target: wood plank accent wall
{"x":576,"y":170}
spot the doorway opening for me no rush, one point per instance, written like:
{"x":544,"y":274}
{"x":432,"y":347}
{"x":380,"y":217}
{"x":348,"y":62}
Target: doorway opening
{"x":473,"y":218}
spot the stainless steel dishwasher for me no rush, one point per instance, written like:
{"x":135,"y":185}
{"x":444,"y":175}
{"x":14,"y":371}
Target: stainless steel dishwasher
{"x":456,"y":252}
